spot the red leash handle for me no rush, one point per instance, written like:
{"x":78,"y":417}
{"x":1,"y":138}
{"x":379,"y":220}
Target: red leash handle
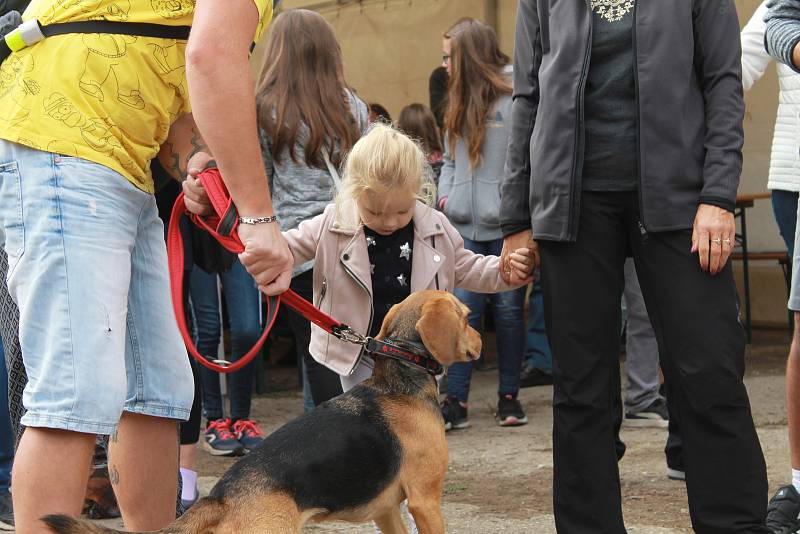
{"x":222,"y":225}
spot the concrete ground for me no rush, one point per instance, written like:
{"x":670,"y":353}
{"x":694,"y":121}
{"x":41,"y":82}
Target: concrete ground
{"x":500,"y":479}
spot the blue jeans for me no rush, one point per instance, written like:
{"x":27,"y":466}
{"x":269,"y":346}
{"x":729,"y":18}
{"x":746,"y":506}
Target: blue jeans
{"x":6,"y":436}
{"x":537,"y":346}
{"x":784,"y":206}
{"x":87,"y":267}
{"x":509,"y":327}
{"x":244,"y":305}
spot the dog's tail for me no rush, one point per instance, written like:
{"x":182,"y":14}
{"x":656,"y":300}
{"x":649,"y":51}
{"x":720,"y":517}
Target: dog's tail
{"x":202,"y":517}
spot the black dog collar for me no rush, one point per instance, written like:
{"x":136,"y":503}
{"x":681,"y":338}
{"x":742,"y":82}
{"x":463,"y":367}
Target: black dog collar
{"x":405,"y":351}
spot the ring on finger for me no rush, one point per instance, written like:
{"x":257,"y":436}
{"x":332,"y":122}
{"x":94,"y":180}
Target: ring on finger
{"x":727,"y":241}
{"x":717,"y":240}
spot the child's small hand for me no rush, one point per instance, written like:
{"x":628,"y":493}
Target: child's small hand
{"x":522,"y":263}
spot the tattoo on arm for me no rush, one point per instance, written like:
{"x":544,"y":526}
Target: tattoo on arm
{"x":175,"y":156}
{"x":113,"y":475}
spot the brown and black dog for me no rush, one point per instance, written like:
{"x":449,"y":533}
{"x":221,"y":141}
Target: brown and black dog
{"x":355,"y":458}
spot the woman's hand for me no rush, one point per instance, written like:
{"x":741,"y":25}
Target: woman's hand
{"x":512,"y":244}
{"x":713,"y":237}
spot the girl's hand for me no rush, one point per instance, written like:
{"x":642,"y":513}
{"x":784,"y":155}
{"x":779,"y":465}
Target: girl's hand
{"x":522,"y":262}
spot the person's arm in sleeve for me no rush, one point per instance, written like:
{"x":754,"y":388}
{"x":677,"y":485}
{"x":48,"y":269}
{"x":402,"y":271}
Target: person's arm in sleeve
{"x":304,"y":239}
{"x":718,"y":64}
{"x":755,"y":58}
{"x":223,"y":104}
{"x":782,"y":36}
{"x":447,"y":175}
{"x":717,"y":61}
{"x":479,"y":273}
{"x":515,"y":214}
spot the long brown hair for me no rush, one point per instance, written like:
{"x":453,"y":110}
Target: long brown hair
{"x":302,"y":83}
{"x":417,"y":121}
{"x":476,"y":82}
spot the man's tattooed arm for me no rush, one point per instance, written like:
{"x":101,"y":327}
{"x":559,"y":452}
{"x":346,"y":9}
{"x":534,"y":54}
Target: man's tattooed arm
{"x":183,"y":142}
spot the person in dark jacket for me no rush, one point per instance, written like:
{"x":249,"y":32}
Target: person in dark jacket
{"x":626,"y":139}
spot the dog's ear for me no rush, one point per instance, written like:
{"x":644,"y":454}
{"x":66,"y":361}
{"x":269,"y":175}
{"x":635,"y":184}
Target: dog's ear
{"x":444,"y":331}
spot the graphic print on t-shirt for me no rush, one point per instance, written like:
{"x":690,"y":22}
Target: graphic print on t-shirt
{"x":612,"y":10}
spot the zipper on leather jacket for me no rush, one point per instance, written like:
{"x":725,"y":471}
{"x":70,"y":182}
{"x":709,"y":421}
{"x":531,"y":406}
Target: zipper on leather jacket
{"x":322,"y":292}
{"x":371,"y":310}
{"x":577,"y":150}
{"x":638,"y":124}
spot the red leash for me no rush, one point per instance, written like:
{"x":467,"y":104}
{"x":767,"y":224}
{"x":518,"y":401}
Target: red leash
{"x":222,"y":225}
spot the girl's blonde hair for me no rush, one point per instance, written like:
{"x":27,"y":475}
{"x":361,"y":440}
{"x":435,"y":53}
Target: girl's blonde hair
{"x":384,"y":160}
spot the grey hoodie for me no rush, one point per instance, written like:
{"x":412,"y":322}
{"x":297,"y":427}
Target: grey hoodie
{"x":783,"y":29}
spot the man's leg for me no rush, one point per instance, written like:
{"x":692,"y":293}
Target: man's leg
{"x":143,"y":456}
{"x":50,"y":473}
{"x":143,"y":465}
{"x":537,"y":367}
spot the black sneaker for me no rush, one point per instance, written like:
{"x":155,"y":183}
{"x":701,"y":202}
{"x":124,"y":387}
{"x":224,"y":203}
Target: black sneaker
{"x":532,"y":377}
{"x":6,"y":512}
{"x":783,"y":511}
{"x":454,"y":413}
{"x":655,"y":415}
{"x":219,"y":440}
{"x":509,"y":411}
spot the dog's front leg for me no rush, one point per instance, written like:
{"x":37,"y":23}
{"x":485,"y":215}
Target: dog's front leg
{"x":391,"y":522}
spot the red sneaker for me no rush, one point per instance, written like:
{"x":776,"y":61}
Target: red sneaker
{"x":248,"y":433}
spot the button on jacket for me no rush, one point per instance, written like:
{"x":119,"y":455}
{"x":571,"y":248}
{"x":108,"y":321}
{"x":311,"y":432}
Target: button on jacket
{"x":689,"y":113}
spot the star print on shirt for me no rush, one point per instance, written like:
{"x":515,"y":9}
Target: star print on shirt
{"x":405,"y":251}
{"x":402,"y":280}
{"x":370,"y":240}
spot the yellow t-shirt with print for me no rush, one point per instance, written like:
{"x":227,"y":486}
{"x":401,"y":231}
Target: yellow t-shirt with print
{"x":106,"y":98}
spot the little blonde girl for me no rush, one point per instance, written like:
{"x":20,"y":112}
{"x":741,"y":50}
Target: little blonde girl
{"x":379,"y":242}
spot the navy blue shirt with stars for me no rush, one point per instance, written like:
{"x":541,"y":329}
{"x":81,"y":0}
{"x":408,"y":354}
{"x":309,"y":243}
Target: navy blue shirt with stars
{"x":390,"y":263}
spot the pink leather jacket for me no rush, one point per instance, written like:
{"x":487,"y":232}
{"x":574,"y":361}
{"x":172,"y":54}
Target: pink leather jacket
{"x":342,"y":280}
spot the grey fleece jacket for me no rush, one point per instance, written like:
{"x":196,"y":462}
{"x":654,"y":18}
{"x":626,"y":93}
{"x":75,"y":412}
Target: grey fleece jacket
{"x":783,"y":30}
{"x":687,"y":69}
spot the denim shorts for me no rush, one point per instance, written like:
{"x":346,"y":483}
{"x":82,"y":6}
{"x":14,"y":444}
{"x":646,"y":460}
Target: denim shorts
{"x":88,"y":270}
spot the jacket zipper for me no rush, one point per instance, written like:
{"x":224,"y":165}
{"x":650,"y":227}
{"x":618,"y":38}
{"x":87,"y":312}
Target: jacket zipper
{"x":638,"y":125}
{"x":322,"y":292}
{"x":573,"y":211}
{"x":371,"y":310}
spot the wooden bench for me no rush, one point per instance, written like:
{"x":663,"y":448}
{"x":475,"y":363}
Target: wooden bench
{"x":780,"y":256}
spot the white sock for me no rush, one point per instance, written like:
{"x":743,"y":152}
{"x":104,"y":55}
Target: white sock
{"x":189,"y":480}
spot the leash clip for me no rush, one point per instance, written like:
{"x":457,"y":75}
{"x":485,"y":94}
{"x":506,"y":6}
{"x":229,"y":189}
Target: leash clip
{"x":345,"y":333}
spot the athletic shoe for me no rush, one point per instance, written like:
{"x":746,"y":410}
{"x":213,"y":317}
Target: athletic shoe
{"x":655,"y":415}
{"x":248,"y":433}
{"x":6,"y":512}
{"x":220,"y":441}
{"x":676,"y":474}
{"x":454,"y":413}
{"x":531,"y":377}
{"x":509,"y":411}
{"x":783,"y":511}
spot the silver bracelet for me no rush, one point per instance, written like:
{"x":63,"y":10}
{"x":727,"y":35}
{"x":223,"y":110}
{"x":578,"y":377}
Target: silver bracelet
{"x":258,"y":220}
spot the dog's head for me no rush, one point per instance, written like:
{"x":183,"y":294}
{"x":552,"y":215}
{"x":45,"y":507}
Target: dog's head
{"x":439,"y":320}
